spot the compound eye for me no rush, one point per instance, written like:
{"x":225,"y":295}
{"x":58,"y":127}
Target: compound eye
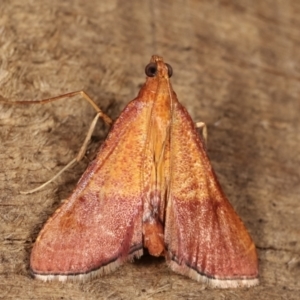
{"x":151,"y":70}
{"x":170,"y":70}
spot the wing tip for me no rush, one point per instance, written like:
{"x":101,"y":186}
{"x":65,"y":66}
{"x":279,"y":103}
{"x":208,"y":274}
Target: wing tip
{"x":213,"y":282}
{"x":109,"y":268}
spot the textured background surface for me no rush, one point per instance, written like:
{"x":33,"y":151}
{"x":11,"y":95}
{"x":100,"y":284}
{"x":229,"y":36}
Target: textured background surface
{"x":236,"y":67}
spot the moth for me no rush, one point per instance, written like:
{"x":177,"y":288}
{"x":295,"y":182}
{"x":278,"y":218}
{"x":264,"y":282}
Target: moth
{"x":151,"y":186}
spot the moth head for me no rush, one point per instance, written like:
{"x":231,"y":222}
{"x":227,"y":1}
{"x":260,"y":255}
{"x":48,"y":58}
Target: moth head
{"x":157,"y":67}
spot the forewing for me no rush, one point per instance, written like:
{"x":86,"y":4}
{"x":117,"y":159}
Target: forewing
{"x":100,"y":225}
{"x":205,"y":238}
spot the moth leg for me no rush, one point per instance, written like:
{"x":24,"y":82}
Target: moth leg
{"x":83,"y":148}
{"x":83,"y":94}
{"x":202,"y":126}
{"x":79,"y":156}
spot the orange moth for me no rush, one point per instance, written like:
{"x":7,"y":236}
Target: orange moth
{"x":151,"y":186}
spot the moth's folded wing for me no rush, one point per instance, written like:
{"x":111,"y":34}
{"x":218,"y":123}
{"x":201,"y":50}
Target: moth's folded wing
{"x":206,"y":239}
{"x":100,"y":225}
